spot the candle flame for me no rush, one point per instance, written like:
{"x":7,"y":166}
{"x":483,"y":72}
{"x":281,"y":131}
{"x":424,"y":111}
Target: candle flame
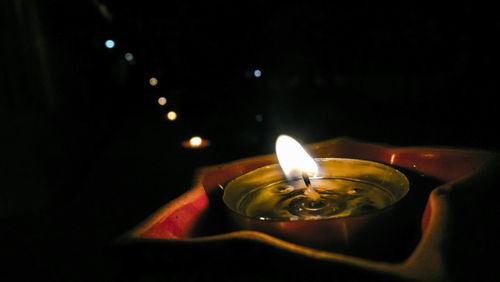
{"x":293,"y":159}
{"x":195,"y":141}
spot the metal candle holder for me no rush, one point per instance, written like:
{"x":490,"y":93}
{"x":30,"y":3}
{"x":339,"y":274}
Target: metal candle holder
{"x":347,"y":219}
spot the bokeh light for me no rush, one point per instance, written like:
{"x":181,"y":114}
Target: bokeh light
{"x":162,"y":101}
{"x":257,"y":73}
{"x":109,"y":43}
{"x":171,"y":115}
{"x":259,"y":117}
{"x":129,"y":57}
{"x":153,"y":81}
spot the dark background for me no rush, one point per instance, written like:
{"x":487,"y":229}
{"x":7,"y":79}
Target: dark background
{"x":86,"y":152}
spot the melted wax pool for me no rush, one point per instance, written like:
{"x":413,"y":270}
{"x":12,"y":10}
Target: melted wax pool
{"x":339,"y":197}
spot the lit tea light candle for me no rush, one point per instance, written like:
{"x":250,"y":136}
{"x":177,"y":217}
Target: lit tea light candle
{"x":303,"y":188}
{"x":196,"y":142}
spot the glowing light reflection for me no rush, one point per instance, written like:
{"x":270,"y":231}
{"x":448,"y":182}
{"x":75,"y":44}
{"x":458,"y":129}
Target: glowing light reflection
{"x":393,"y":158}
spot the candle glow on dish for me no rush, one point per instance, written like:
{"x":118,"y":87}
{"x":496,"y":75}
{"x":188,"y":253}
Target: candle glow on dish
{"x":337,"y":187}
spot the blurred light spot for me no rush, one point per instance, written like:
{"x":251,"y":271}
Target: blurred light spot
{"x":153,"y":81}
{"x":162,"y":101}
{"x":257,"y":73}
{"x":172,"y":115}
{"x":259,"y":117}
{"x":103,"y":9}
{"x":109,"y":44}
{"x":129,"y":57}
{"x":195,"y":141}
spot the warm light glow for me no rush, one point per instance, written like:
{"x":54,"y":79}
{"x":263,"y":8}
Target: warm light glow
{"x":109,"y":44}
{"x":162,"y":101}
{"x":172,"y":115}
{"x":153,"y":81}
{"x":293,"y":159}
{"x":195,"y":141}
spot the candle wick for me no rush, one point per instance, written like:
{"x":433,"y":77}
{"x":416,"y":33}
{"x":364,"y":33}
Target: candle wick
{"x":309,"y":192}
{"x":307,"y":181}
